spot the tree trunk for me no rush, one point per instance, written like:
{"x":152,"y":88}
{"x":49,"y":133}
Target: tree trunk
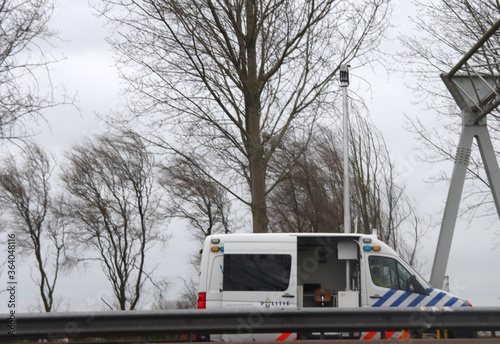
{"x":259,"y":211}
{"x":255,"y":150}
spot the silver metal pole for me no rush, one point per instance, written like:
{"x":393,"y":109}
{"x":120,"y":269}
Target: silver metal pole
{"x":344,"y":82}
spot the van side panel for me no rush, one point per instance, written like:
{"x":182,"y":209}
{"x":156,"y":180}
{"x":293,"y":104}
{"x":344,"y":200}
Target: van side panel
{"x":260,"y":274}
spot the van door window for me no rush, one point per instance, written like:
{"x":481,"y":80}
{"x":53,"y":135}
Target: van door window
{"x":388,"y":273}
{"x":256,"y":272}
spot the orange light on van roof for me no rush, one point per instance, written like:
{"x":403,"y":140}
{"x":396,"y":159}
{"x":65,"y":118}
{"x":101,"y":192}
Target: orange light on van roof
{"x":376,"y":248}
{"x":214,"y":249}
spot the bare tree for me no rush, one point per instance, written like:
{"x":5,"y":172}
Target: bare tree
{"x":23,"y":34}
{"x":187,"y":300}
{"x":203,"y":203}
{"x":233,"y":78}
{"x":115,"y":209}
{"x":196,"y":198}
{"x":377,"y":194}
{"x":309,"y":199}
{"x":25,"y":196}
{"x":410,"y":236}
{"x":380,"y":201}
{"x":447,"y":30}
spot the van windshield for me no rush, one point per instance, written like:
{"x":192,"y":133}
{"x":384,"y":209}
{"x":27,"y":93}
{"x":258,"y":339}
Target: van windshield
{"x":256,"y":272}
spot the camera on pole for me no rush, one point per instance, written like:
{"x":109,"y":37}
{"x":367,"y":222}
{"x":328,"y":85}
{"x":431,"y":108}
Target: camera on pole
{"x":344,"y":75}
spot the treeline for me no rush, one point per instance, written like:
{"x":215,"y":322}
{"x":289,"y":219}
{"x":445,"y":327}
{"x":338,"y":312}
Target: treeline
{"x":111,"y":198}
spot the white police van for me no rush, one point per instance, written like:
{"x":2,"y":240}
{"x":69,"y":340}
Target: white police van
{"x":300,"y":270}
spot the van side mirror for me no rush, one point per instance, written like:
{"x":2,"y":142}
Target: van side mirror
{"x":414,"y":286}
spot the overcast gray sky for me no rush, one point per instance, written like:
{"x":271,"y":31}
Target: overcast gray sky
{"x":88,"y":70}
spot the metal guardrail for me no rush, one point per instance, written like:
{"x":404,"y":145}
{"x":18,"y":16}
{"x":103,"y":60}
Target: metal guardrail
{"x":140,"y":323}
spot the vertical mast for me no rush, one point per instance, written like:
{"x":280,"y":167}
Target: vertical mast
{"x":344,"y":82}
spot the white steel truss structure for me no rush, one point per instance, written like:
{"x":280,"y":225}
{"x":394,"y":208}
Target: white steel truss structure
{"x":474,"y":84}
